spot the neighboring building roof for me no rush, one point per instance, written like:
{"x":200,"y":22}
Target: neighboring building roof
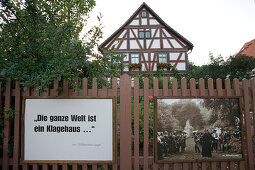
{"x":248,"y":48}
{"x":168,"y":28}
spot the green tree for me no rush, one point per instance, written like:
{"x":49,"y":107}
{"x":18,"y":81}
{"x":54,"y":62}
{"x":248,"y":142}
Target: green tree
{"x":40,"y":41}
{"x":240,"y":66}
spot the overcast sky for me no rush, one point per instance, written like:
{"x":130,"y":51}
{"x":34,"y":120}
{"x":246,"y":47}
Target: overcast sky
{"x":217,"y":26}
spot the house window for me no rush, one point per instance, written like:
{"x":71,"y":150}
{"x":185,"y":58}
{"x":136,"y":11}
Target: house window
{"x":134,"y":59}
{"x":144,"y":14}
{"x":141,"y":34}
{"x":162,"y":58}
{"x":147,"y":34}
{"x":144,"y":34}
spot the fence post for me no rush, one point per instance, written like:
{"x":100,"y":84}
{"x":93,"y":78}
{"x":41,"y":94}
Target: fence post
{"x":247,"y":124}
{"x":125,"y":122}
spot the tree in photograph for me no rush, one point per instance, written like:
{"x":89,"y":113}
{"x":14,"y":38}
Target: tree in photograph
{"x":188,"y":111}
{"x":166,"y":121}
{"x":224,"y":111}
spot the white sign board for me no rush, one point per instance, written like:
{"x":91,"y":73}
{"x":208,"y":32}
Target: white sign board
{"x":68,"y":129}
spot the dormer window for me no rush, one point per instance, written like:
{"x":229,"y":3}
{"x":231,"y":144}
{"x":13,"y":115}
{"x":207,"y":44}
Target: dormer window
{"x":141,"y":34}
{"x":147,"y":34}
{"x":144,"y":14}
{"x":144,"y":34}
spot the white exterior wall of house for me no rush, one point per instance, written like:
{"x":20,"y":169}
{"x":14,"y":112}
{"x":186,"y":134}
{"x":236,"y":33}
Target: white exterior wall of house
{"x":161,"y":40}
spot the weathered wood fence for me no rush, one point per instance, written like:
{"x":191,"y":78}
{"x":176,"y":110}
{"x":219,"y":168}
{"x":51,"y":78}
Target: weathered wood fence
{"x":129,"y":154}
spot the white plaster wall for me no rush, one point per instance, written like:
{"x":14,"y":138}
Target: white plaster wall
{"x":134,"y":45}
{"x":181,"y":66}
{"x":122,"y":34}
{"x":134,"y":22}
{"x":156,"y":44}
{"x":145,"y":56}
{"x":141,"y":43}
{"x":166,"y":44}
{"x":153,"y":22}
{"x":124,"y":45}
{"x":173,"y":56}
{"x":183,"y":56}
{"x":144,"y":21}
{"x":167,"y":34}
{"x":148,"y":43}
{"x":152,"y":56}
{"x":175,"y":44}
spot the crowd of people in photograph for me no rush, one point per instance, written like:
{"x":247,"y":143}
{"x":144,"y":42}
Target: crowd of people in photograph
{"x":205,"y":142}
{"x":171,"y":143}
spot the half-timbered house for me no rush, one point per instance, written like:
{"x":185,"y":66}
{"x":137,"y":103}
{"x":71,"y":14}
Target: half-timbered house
{"x":148,"y":44}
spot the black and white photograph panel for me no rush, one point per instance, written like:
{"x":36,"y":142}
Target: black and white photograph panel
{"x":198,"y":129}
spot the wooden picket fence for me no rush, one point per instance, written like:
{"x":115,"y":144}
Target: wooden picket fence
{"x":129,"y":154}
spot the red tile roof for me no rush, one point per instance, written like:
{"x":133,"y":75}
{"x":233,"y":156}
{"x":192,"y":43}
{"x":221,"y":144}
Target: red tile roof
{"x":248,"y":48}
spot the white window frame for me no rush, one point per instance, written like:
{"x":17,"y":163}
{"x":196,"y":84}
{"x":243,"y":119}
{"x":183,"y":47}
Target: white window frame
{"x":143,"y":14}
{"x":141,"y":34}
{"x":147,"y":34}
{"x":162,"y":57}
{"x":134,"y":58}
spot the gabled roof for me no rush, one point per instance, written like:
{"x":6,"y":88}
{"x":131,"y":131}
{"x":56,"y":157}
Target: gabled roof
{"x":248,"y":48}
{"x":168,"y":28}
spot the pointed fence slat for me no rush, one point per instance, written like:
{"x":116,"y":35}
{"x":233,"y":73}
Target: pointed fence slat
{"x":219,"y":87}
{"x":16,"y":147}
{"x":155,"y":94}
{"x":184,"y":87}
{"x":84,"y":87}
{"x":115,"y":93}
{"x":185,"y":166}
{"x":35,"y":167}
{"x":75,"y":87}
{"x":228,"y":87}
{"x":248,"y":124}
{"x":232,"y":165}
{"x":94,"y":94}
{"x":64,"y":167}
{"x":175,"y":87}
{"x":214,"y":166}
{"x":65,"y":88}
{"x":146,"y":123}
{"x":193,"y":91}
{"x":211,"y":87}
{"x":84,"y":167}
{"x":136,"y":124}
{"x":165,"y":87}
{"x":6,"y":124}
{"x":202,"y":87}
{"x":166,"y":166}
{"x":223,"y":165}
{"x":45,"y":167}
{"x":237,"y":87}
{"x":253,"y":100}
{"x":53,"y":93}
{"x":184,"y":93}
{"x":204,"y":165}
